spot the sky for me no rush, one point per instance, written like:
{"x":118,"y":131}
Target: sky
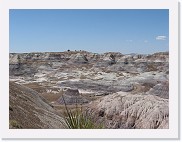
{"x":98,"y":31}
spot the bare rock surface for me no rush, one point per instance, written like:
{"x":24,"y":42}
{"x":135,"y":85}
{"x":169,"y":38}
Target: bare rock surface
{"x":98,"y":86}
{"x":161,"y":90}
{"x":125,"y":111}
{"x":126,"y":90}
{"x":30,"y":111}
{"x":72,"y":96}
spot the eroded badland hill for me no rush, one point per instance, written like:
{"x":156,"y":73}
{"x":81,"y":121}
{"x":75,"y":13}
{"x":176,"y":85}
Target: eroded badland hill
{"x":123,"y":91}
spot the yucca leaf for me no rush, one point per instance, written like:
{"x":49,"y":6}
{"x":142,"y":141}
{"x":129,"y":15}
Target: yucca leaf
{"x":77,"y":119}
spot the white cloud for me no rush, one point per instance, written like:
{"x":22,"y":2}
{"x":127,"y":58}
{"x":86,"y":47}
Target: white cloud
{"x":161,"y":38}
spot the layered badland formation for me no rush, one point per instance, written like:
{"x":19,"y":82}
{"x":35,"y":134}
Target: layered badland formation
{"x":121,"y":91}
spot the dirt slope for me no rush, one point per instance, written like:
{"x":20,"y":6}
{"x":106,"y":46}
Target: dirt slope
{"x":28,"y":110}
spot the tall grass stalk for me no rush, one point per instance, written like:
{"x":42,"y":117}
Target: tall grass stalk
{"x":77,"y":119}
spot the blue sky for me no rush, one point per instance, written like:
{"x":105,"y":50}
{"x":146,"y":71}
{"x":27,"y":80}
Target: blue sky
{"x":98,"y":31}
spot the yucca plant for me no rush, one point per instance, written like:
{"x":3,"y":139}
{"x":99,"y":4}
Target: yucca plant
{"x":77,"y":119}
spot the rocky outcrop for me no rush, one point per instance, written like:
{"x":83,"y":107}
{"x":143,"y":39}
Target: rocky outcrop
{"x":27,"y":63}
{"x":127,"y":59}
{"x":161,"y":90}
{"x":125,"y":111}
{"x":22,"y":69}
{"x":75,"y":55}
{"x":110,"y":59}
{"x":78,"y":58}
{"x":72,"y":96}
{"x":100,"y":87}
{"x":28,"y":110}
{"x":159,"y":57}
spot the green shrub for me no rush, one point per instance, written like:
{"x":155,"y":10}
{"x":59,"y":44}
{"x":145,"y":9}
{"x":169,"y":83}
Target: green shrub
{"x":77,"y":119}
{"x":14,"y":124}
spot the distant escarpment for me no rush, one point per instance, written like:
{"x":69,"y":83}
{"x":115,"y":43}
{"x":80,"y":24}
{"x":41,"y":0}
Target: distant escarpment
{"x":30,"y":63}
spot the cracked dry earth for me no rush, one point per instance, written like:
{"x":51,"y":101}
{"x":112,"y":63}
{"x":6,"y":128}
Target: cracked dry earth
{"x":123,"y":91}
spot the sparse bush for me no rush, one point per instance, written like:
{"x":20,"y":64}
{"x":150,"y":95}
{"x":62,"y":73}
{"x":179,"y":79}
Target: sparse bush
{"x":14,"y":124}
{"x":77,"y":119}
